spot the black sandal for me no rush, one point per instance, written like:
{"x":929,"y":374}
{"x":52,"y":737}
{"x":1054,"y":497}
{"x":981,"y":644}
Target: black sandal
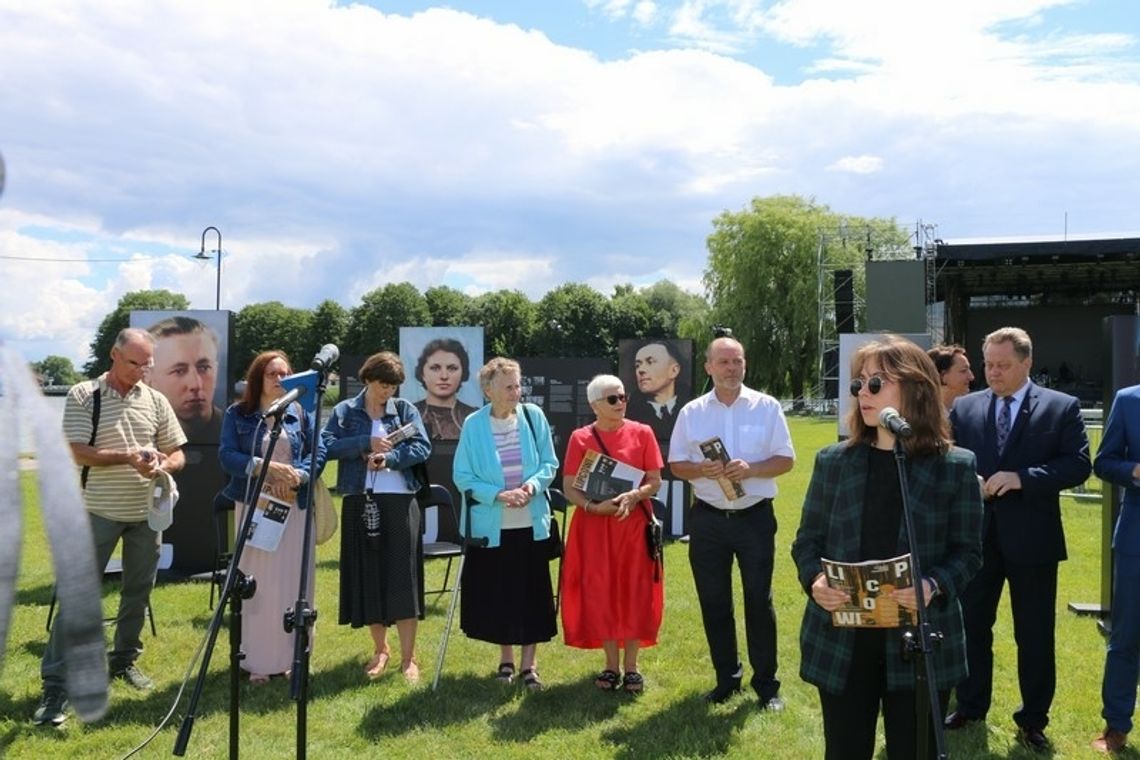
{"x":634,"y":682}
{"x":506,"y":673}
{"x":530,"y":679}
{"x":607,"y":680}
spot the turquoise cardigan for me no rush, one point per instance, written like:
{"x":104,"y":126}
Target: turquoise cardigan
{"x":478,"y":473}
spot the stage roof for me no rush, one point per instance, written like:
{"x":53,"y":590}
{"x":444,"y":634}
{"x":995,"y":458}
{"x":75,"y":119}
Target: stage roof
{"x":1027,"y":266}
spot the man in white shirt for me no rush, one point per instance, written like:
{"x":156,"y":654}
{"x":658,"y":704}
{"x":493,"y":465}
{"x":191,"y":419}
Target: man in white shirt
{"x":752,"y":430}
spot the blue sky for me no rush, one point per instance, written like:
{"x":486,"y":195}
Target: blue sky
{"x":524,"y":144}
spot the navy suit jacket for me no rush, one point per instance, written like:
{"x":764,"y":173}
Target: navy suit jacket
{"x":1048,"y":448}
{"x":1118,"y":453}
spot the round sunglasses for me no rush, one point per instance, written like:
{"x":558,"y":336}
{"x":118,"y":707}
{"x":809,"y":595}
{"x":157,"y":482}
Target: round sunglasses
{"x":874,"y":385}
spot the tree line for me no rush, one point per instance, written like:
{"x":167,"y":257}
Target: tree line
{"x":762,"y":279}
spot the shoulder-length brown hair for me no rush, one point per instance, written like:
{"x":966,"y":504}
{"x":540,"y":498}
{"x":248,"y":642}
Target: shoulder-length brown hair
{"x":919,"y":394}
{"x":250,"y":400}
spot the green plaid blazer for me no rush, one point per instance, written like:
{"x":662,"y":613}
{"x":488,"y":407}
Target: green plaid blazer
{"x":946,"y":504}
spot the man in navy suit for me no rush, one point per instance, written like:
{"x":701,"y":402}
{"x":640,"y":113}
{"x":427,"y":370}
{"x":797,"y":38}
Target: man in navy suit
{"x":1118,"y":463}
{"x":1030,"y":444}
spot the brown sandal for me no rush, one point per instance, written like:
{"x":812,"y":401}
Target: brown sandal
{"x":379,"y":661}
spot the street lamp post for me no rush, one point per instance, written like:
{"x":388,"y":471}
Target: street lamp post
{"x":202,"y":255}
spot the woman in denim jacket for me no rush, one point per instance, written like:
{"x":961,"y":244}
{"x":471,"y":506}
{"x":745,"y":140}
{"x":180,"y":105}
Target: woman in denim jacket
{"x":377,"y":439}
{"x":268,"y":648}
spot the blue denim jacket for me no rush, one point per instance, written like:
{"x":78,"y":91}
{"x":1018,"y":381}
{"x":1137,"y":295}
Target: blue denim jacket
{"x":236,"y":451}
{"x":347,"y":437}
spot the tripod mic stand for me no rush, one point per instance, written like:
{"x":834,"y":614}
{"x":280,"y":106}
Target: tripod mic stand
{"x":918,"y":646}
{"x":236,"y":588}
{"x":300,"y":619}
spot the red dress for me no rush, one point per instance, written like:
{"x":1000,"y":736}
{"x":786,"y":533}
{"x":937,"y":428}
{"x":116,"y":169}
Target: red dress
{"x":608,"y":588}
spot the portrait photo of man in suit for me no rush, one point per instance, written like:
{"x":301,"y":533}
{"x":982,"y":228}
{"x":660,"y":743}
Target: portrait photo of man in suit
{"x":660,"y":372}
{"x":1030,"y":444}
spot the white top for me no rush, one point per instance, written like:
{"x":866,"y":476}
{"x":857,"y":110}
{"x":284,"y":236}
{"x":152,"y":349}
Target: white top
{"x":753,"y":428}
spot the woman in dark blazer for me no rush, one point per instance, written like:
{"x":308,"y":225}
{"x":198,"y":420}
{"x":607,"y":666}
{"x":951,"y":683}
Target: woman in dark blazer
{"x":853,"y":513}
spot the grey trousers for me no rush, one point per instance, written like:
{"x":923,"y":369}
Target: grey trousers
{"x":140,"y":563}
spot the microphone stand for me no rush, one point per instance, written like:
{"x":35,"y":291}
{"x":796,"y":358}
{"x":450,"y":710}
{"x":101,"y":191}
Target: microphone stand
{"x":923,"y":641}
{"x":300,"y":618}
{"x":237,"y":587}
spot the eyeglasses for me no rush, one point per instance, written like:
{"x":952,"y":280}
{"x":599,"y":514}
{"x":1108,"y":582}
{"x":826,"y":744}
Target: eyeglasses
{"x":279,"y":373}
{"x":615,"y":398}
{"x":874,"y":385}
{"x":148,"y":364}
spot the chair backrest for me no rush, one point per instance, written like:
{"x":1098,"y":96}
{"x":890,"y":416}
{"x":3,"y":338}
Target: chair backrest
{"x":223,"y":523}
{"x":447,"y":519}
{"x":557,"y":500}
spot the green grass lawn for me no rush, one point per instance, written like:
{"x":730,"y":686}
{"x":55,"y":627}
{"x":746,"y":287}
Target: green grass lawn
{"x":471,"y":716}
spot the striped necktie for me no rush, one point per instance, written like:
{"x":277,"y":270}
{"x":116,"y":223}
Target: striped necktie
{"x":1003,"y":424}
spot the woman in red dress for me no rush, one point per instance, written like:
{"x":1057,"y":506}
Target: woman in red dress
{"x":612,"y":592}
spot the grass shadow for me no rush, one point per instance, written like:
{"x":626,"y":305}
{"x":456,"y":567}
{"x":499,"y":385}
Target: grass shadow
{"x":566,"y":706}
{"x":458,"y":700}
{"x":36,"y":595}
{"x":695,"y":729}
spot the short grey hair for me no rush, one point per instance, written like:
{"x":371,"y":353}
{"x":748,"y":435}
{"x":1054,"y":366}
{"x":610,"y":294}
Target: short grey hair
{"x":133,"y":334}
{"x":597,"y":388}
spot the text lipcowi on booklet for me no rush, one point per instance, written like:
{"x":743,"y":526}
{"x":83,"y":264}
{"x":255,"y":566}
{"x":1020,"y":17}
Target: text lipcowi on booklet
{"x":601,"y":477}
{"x":714,"y":450}
{"x":870,"y":585}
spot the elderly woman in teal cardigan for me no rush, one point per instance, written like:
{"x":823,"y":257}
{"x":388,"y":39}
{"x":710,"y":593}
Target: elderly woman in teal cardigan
{"x":853,"y":513}
{"x":504,"y":463}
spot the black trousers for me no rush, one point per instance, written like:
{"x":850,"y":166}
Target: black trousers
{"x":1033,"y":600}
{"x":850,"y":717}
{"x":750,"y":539}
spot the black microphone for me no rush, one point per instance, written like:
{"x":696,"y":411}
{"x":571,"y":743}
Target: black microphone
{"x":278,"y":407}
{"x":890,"y":419}
{"x":325,"y":358}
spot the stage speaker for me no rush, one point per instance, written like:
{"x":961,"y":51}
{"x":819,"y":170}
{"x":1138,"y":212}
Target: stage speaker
{"x":844,"y":303}
{"x":896,"y":296}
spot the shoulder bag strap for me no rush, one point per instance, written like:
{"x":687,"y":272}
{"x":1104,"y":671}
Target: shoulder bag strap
{"x":96,"y":400}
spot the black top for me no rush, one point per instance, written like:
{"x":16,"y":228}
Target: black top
{"x":882,"y":513}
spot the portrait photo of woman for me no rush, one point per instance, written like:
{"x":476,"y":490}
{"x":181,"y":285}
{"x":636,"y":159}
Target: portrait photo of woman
{"x":442,"y":368}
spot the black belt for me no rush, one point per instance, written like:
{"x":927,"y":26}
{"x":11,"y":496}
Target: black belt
{"x":732,"y":512}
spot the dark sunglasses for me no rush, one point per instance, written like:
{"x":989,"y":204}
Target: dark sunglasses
{"x":615,"y":398}
{"x":874,"y":385}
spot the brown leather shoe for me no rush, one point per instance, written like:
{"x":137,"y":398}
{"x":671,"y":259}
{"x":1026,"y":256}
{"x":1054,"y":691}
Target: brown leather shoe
{"x":1110,"y":740}
{"x":957,"y":720}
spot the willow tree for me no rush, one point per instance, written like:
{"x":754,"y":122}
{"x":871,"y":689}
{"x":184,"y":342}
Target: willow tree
{"x":763,"y":280}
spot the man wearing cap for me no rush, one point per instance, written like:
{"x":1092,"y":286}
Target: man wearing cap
{"x":750,"y":428}
{"x":123,"y":435}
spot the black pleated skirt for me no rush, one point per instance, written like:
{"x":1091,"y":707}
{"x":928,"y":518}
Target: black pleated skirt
{"x":506,"y":596}
{"x":381,"y":579}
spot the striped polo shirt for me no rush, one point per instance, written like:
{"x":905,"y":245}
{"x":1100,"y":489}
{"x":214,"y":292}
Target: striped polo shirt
{"x":141,"y":418}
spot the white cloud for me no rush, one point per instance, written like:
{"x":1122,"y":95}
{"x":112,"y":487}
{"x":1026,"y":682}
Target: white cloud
{"x":340,"y":148}
{"x":858,"y":164}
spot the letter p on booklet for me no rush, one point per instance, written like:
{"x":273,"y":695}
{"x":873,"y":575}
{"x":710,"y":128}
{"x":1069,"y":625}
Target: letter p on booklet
{"x":869,"y":584}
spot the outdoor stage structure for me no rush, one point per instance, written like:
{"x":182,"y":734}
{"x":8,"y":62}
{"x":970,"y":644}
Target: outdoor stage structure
{"x":1077,"y":297}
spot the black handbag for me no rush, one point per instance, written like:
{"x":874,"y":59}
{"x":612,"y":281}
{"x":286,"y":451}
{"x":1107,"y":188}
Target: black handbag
{"x":554,"y":546}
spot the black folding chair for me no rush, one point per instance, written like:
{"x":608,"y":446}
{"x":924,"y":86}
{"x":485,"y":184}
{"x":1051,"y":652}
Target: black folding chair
{"x":558,"y":504}
{"x":449,"y":543}
{"x":223,"y":550}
